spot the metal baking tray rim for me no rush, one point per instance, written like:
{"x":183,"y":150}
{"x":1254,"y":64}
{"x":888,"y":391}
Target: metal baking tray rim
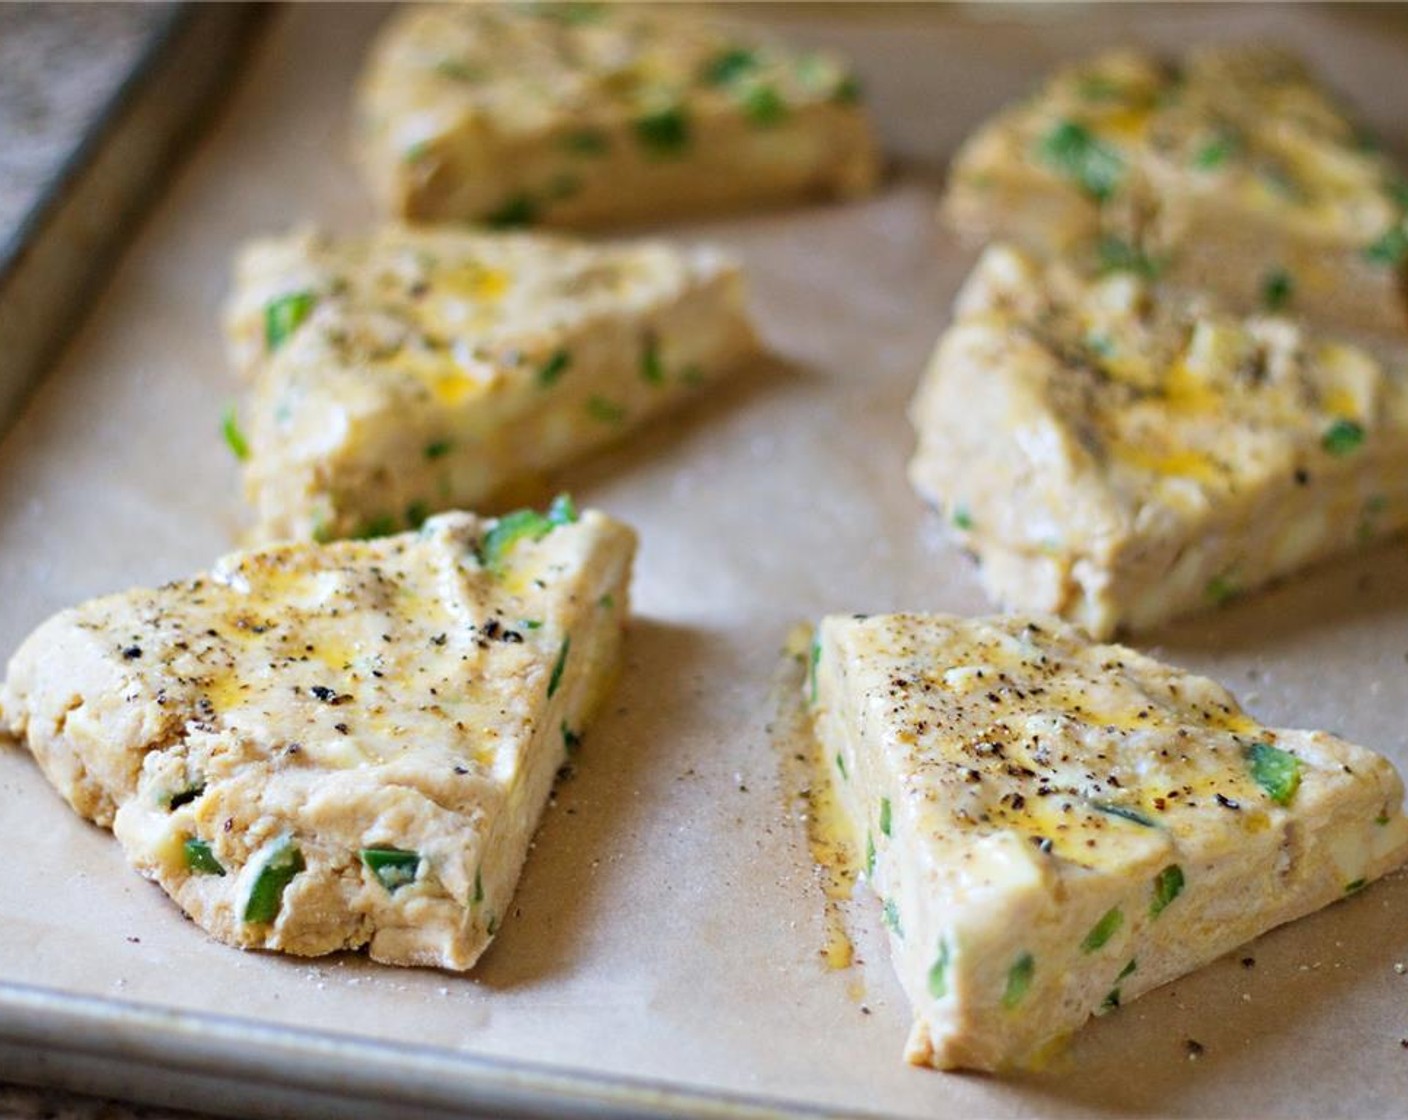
{"x":56,"y":190}
{"x":345,"y":1066}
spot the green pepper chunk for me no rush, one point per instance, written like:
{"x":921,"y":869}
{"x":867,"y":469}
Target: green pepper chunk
{"x":515,"y":212}
{"x":891,"y":915}
{"x":553,"y":368}
{"x":652,"y":369}
{"x":556,"y":679}
{"x":1276,"y":771}
{"x":815,"y":660}
{"x":841,"y":766}
{"x":885,"y":815}
{"x":478,"y":886}
{"x":1391,"y":249}
{"x":285,"y":315}
{"x":848,"y":90}
{"x":1118,"y":255}
{"x":234,"y":437}
{"x":607,"y":411}
{"x":1103,"y":930}
{"x":664,"y":131}
{"x":1071,"y":149}
{"x":729,"y":65}
{"x":200,"y":859}
{"x":1355,"y":887}
{"x":1222,"y":589}
{"x":394,"y":868}
{"x":1112,"y":999}
{"x":281,"y":862}
{"x":523,"y":524}
{"x":382,"y":525}
{"x":764,"y":106}
{"x":1342,"y":437}
{"x":869,"y":856}
{"x":1277,"y":289}
{"x":938,"y":971}
{"x":962,"y":518}
{"x":437,"y":449}
{"x":1216,"y":152}
{"x":571,"y":741}
{"x":1168,"y":885}
{"x":1019,"y":980}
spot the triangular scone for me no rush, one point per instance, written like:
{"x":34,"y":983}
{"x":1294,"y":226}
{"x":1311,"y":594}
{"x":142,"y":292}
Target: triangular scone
{"x":1120,"y":457}
{"x":408,"y":371}
{"x":1233,"y":173}
{"x":1057,"y":827}
{"x":562,"y":115}
{"x":316,"y":748}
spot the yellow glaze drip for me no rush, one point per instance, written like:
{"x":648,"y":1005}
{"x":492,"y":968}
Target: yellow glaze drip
{"x":1340,"y":402}
{"x":453,"y":389}
{"x":1126,"y":124}
{"x":829,"y":838}
{"x":829,"y":835}
{"x":1196,"y":465}
{"x":475,"y":281}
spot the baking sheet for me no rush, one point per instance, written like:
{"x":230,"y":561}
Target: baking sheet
{"x":669,"y":922}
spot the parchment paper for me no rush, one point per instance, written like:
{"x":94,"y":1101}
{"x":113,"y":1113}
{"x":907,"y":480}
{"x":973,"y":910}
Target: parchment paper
{"x":669,"y":921}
